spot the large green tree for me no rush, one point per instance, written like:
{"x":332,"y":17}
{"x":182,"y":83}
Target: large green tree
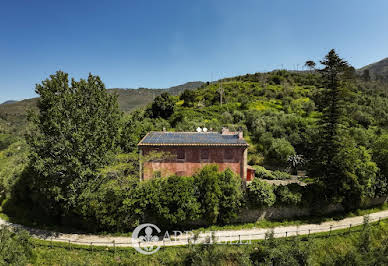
{"x":163,"y":106}
{"x":74,"y":134}
{"x":345,"y":168}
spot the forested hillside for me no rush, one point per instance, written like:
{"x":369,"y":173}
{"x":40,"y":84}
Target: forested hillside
{"x":375,"y":71}
{"x":83,"y":162}
{"x":14,"y":113}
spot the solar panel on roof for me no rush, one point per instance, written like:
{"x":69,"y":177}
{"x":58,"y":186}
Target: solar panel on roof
{"x":210,"y":138}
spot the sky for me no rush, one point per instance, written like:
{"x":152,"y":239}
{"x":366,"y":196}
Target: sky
{"x":158,"y":44}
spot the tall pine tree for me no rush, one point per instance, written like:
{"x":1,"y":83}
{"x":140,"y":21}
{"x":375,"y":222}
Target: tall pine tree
{"x":344,"y":169}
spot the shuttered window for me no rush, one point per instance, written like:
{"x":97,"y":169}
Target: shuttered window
{"x":180,"y":155}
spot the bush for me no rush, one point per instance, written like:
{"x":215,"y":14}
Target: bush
{"x":262,"y":173}
{"x":279,"y":151}
{"x":281,"y":175}
{"x":219,"y":193}
{"x":287,"y":197}
{"x":261,"y":194}
{"x":231,"y":196}
{"x":171,"y":200}
{"x":15,"y":247}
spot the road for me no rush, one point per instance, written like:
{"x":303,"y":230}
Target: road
{"x":242,"y":236}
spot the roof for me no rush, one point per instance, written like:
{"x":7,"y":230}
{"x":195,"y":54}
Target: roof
{"x":191,"y":139}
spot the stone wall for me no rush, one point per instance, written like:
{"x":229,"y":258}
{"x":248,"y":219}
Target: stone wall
{"x":277,"y":213}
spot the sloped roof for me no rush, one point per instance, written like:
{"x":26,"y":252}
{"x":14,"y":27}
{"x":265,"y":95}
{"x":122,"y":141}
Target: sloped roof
{"x":191,"y":139}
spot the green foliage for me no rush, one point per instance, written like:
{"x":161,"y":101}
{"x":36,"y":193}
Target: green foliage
{"x":219,"y":194}
{"x":231,"y":196}
{"x":260,"y":193}
{"x":209,"y":192}
{"x":163,"y":106}
{"x":188,"y":97}
{"x":262,"y":173}
{"x":355,"y":172}
{"x":281,"y":175}
{"x":6,"y":140}
{"x":286,"y":197}
{"x":171,"y":200}
{"x":13,"y":160}
{"x":280,"y":150}
{"x":136,"y":126}
{"x":380,"y":154}
{"x":15,"y":247}
{"x":74,"y":134}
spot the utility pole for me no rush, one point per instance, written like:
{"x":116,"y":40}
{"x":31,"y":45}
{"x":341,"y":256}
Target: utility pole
{"x":221,"y":91}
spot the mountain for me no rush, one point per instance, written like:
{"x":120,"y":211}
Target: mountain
{"x":130,"y":99}
{"x":14,"y":112}
{"x":8,"y":102}
{"x":378,"y":70}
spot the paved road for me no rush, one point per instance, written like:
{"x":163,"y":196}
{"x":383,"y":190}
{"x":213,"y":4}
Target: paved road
{"x":225,"y":236}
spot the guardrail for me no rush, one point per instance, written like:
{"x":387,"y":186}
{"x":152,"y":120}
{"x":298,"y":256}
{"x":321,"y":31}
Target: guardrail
{"x":211,"y":237}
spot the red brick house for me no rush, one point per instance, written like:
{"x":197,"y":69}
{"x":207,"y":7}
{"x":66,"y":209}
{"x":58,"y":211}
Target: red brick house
{"x":186,"y":152}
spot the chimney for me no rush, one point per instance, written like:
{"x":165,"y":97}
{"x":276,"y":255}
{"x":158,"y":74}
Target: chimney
{"x":240,"y":135}
{"x":224,"y":131}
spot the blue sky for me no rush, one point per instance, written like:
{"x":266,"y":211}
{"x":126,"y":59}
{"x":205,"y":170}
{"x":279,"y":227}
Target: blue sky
{"x":159,"y":44}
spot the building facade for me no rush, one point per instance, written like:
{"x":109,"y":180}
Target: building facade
{"x":184,"y":153}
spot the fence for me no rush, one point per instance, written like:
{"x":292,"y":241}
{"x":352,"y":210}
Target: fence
{"x":213,"y":238}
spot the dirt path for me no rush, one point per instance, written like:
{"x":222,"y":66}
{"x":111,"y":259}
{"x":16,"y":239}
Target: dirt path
{"x":235,"y":236}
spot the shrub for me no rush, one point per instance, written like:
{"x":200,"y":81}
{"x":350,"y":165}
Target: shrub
{"x":15,"y":247}
{"x":261,"y":194}
{"x":209,"y":191}
{"x":261,"y":172}
{"x":279,"y":151}
{"x":231,"y":195}
{"x":287,"y":197}
{"x":172,"y":200}
{"x":281,"y":175}
{"x":219,"y":193}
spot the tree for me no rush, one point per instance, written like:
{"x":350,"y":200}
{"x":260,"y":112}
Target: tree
{"x":366,"y":75}
{"x":163,"y":106}
{"x":74,"y":134}
{"x":335,"y":162}
{"x":332,"y":120}
{"x":232,"y":195}
{"x":279,"y":151}
{"x":310,"y":64}
{"x":188,"y":96}
{"x":261,"y":194}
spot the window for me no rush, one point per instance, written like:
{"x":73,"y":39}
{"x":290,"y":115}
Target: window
{"x":228,"y":154}
{"x":204,"y":154}
{"x":180,"y":155}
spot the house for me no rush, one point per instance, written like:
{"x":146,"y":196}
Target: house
{"x":183,"y":153}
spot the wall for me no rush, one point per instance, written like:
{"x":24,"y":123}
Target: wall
{"x":192,"y":162}
{"x":277,"y":213}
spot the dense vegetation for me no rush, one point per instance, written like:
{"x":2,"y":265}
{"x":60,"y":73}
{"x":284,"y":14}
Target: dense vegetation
{"x":80,"y":165}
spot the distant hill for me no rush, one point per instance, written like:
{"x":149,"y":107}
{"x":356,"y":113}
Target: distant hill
{"x":378,"y":70}
{"x":129,"y":99}
{"x":8,"y":102}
